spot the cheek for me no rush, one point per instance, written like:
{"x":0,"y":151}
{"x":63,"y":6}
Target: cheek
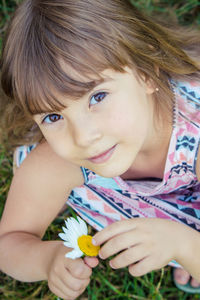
{"x":59,"y":143}
{"x":126,"y":120}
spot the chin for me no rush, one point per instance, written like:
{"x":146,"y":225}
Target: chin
{"x":110,"y":172}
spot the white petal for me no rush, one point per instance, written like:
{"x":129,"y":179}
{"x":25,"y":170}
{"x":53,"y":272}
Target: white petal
{"x":74,"y":239}
{"x":83,"y":226}
{"x":68,"y":244}
{"x":63,"y":236}
{"x":69,"y":237}
{"x":76,"y":228}
{"x":73,"y":226}
{"x":74,"y":254}
{"x":65,"y":229}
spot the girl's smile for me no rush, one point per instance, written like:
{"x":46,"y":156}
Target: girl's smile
{"x":103,"y":157}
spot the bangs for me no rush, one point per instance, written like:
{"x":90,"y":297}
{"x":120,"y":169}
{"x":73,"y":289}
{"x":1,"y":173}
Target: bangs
{"x":49,"y":96}
{"x":57,"y":77}
{"x":57,"y":59}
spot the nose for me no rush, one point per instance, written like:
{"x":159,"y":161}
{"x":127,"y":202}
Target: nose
{"x":85,"y":131}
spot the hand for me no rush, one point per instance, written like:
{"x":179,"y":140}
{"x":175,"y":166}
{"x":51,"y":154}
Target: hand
{"x":142,"y":244}
{"x":68,"y":278}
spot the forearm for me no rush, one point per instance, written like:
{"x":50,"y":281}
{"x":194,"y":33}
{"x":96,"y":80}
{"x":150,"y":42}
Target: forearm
{"x":189,"y":251}
{"x":25,"y":257}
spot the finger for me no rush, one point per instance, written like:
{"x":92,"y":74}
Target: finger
{"x":63,"y":279}
{"x":119,"y":243}
{"x":143,"y":267}
{"x":78,"y":268}
{"x":129,"y":256}
{"x":112,"y":230}
{"x":60,"y":294}
{"x":62,"y":290}
{"x":92,"y":262}
{"x":73,"y":283}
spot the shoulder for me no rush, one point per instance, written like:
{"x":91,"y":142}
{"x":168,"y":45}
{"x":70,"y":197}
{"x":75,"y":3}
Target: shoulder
{"x":44,"y":164}
{"x":39,"y":189}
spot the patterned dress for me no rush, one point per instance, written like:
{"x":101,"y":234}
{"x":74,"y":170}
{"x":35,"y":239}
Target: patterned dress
{"x":102,"y":201}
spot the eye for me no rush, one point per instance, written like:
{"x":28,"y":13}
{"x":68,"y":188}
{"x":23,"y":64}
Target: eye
{"x":52,"y":118}
{"x":97,"y":98}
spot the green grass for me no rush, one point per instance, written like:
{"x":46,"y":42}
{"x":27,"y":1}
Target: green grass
{"x":106,"y":284}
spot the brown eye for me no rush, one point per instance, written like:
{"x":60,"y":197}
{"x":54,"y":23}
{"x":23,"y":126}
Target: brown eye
{"x":52,"y":118}
{"x":97,"y":98}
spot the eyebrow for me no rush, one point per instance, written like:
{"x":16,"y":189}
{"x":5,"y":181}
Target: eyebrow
{"x":99,"y":82}
{"x":95,"y":84}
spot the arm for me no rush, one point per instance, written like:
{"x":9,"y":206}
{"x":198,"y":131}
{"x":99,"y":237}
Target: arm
{"x":38,"y":191}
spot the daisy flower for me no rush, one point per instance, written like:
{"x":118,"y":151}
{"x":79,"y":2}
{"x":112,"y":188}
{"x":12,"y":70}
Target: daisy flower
{"x":76,"y":236}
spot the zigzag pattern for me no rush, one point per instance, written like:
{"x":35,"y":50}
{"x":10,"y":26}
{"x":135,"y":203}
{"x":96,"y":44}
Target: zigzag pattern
{"x":190,"y":95}
{"x":185,"y":142}
{"x":138,"y":206}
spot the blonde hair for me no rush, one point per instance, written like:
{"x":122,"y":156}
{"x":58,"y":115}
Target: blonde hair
{"x":88,"y":37}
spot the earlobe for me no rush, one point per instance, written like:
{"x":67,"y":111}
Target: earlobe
{"x":150,"y":87}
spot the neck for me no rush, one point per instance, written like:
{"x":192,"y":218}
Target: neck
{"x":151,"y":161}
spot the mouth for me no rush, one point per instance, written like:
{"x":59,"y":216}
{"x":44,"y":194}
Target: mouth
{"x":103,"y":157}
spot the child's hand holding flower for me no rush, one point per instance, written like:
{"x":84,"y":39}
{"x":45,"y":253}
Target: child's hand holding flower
{"x":68,"y":275}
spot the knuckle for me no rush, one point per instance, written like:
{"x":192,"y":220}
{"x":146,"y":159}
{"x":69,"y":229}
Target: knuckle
{"x":55,"y":270}
{"x":78,"y":271}
{"x":117,"y":242}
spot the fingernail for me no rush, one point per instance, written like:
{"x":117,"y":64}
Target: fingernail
{"x":94,"y":242}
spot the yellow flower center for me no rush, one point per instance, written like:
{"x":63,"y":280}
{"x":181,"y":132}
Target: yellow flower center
{"x":86,"y":246}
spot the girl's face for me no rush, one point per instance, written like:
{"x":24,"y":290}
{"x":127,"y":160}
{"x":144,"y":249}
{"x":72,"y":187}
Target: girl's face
{"x":106,"y":129}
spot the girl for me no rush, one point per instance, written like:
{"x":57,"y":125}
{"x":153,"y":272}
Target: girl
{"x":111,"y":100}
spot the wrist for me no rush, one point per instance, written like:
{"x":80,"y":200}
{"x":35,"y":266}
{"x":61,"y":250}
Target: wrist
{"x":48,"y":250}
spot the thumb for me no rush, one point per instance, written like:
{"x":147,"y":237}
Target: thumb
{"x":92,"y":262}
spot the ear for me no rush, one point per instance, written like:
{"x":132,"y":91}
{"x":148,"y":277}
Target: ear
{"x":150,"y":83}
{"x":150,"y":86}
{"x":146,"y":81}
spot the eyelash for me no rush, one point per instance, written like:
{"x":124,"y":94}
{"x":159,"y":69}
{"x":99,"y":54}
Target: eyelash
{"x":44,"y":120}
{"x":97,"y":94}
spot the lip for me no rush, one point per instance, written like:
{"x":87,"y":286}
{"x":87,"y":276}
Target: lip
{"x":103,"y":157}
